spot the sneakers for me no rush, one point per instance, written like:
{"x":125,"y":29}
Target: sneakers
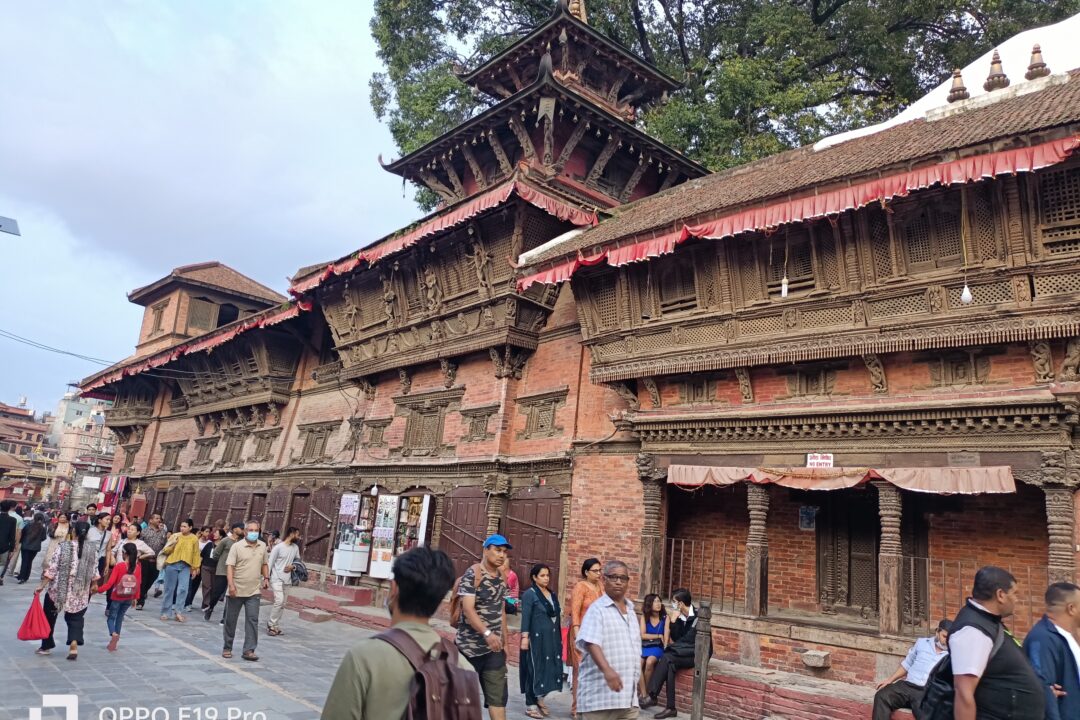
{"x":157,"y":592}
{"x":207,"y":613}
{"x":113,"y":641}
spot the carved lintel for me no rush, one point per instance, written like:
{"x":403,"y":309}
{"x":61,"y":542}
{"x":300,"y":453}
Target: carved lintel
{"x":405,"y":380}
{"x":654,"y":391}
{"x":1042,"y":361}
{"x":746,"y":388}
{"x":877,"y":374}
{"x":449,"y":371}
{"x":602,"y":160}
{"x":1060,"y":525}
{"x":523,"y":138}
{"x":474,"y":166}
{"x":500,"y":153}
{"x":632,"y":183}
{"x":571,"y":143}
{"x":627,"y":393}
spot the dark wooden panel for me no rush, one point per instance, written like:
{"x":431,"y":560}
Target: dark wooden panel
{"x":200,"y":512}
{"x":318,"y":532}
{"x":186,"y":506}
{"x":463,"y":526}
{"x":239,"y":506}
{"x":172,"y":508}
{"x":219,"y":507}
{"x":533,"y":525}
{"x":277,"y":503}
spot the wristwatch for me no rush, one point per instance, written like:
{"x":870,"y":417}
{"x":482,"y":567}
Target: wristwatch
{"x":487,"y":633}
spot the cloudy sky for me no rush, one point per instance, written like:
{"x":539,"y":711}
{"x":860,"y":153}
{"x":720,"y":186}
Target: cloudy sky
{"x":139,"y":136}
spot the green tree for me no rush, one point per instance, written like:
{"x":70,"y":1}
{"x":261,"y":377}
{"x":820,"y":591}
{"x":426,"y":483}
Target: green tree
{"x":760,"y":76}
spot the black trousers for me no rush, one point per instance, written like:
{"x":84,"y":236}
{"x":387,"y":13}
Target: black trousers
{"x":27,"y":562}
{"x":51,"y":614}
{"x":149,"y":575}
{"x":896,"y":696}
{"x":217,"y":591}
{"x":664,"y":674}
{"x":75,"y":623}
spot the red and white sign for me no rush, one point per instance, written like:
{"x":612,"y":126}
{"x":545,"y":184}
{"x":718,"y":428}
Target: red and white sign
{"x":819,"y":460}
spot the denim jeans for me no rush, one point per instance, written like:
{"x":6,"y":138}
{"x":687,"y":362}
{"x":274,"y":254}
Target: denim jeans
{"x":177,"y":576}
{"x":115,"y":618}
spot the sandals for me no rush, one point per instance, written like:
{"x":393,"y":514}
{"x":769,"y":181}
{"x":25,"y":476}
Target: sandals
{"x":165,"y":618}
{"x":273,"y":631}
{"x":250,"y":656}
{"x":73,"y":656}
{"x":533,"y":712}
{"x":226,"y":654}
{"x":180,"y":618}
{"x":39,"y":651}
{"x":544,"y":709}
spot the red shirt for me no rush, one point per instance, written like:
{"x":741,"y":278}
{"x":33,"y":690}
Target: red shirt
{"x":119,"y":571}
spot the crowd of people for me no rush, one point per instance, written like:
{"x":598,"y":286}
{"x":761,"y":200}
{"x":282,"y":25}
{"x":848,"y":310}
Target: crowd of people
{"x":129,"y":560}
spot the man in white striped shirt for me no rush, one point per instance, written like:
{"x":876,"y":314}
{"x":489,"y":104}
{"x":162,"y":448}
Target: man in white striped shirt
{"x":610,"y":641}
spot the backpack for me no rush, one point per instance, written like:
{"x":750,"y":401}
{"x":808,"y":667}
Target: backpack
{"x":456,"y":612}
{"x":439,"y":689}
{"x":937,"y":701}
{"x":126,"y":588}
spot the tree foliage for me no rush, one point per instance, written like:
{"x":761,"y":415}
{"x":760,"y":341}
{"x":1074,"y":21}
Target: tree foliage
{"x":760,"y":76}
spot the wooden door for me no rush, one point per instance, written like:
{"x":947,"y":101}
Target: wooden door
{"x":239,"y":510}
{"x":186,"y":506}
{"x":848,"y":530}
{"x":219,"y":508}
{"x":172,"y":509}
{"x":200,"y":513}
{"x":151,"y":498}
{"x":277,"y":503}
{"x":533,"y":525}
{"x":318,"y":532}
{"x":299,"y":510}
{"x":463,"y":526}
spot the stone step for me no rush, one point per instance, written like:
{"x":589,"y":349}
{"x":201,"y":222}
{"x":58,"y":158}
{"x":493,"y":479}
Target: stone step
{"x":356,"y":595}
{"x":316,"y":616}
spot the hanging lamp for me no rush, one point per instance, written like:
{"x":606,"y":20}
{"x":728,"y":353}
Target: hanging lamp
{"x":966,"y":297}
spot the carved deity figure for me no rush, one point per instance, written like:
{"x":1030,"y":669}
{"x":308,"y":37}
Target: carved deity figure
{"x":877,"y":373}
{"x":481,"y":260}
{"x":437,"y":332}
{"x":1070,"y":366}
{"x":1042,"y":361}
{"x":432,"y":289}
{"x":487,"y":316}
{"x":389,"y":299}
{"x":350,"y":309}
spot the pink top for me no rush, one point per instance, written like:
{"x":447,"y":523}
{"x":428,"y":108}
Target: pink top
{"x":512,"y":584}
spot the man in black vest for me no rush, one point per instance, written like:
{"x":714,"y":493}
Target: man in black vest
{"x":677,"y":656}
{"x":992,"y":676}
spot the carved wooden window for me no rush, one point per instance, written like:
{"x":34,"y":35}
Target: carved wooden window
{"x":746,"y":264}
{"x":540,"y":414}
{"x":172,"y":455}
{"x":880,"y":240}
{"x":264,"y":441}
{"x":1059,"y":209}
{"x":314,"y":439}
{"x":812,"y":381}
{"x":674,"y":283}
{"x":987,"y":241}
{"x":376,"y":431}
{"x":456,"y":268}
{"x":959,"y":369}
{"x":697,"y":391}
{"x":423,"y":430}
{"x":202,"y":314}
{"x":478,"y":418}
{"x":234,"y":445}
{"x":204,"y":446}
{"x":130,"y":451}
{"x":157,"y":315}
{"x":793,"y":255}
{"x":930,"y":235}
{"x":848,"y":529}
{"x":604,"y":296}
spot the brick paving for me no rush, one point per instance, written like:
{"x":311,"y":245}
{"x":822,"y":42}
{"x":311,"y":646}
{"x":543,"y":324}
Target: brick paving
{"x":172,"y":666}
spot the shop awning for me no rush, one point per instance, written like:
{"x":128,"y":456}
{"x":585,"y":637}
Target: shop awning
{"x":939,"y":480}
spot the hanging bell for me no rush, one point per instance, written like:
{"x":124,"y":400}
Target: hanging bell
{"x":783,"y":286}
{"x":965,"y":295}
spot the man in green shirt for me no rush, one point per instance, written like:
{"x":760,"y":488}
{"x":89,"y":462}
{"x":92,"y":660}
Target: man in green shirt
{"x":221,"y":572}
{"x":373,"y":680}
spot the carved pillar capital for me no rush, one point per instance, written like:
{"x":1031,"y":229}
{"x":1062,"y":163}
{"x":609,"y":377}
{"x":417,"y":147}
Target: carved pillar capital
{"x":648,"y":469}
{"x":1061,"y":527}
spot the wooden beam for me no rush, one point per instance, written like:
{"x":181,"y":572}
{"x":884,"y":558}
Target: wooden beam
{"x":514,"y":76}
{"x":632,"y":183}
{"x":501,"y":90}
{"x":524,"y":139}
{"x":474,"y":166}
{"x":672,"y":176}
{"x":617,"y":83}
{"x":571,"y":143}
{"x":451,"y":173}
{"x":602,"y":160}
{"x":500,"y":153}
{"x":434,"y":184}
{"x":549,"y":140}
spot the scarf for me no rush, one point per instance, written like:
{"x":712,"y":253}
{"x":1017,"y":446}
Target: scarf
{"x":73,"y":573}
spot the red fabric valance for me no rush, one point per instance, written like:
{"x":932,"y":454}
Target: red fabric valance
{"x":832,"y":202}
{"x":485,"y":201}
{"x":940,"y":480}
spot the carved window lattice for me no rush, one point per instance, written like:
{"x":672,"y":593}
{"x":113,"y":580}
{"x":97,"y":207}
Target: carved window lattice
{"x":315,"y":438}
{"x":748,"y":272}
{"x":812,"y":381}
{"x":703,"y":334}
{"x":371,"y":308}
{"x":987,"y":238}
{"x":264,"y":442}
{"x":761,"y":325}
{"x":880,"y":246}
{"x":158,"y":317}
{"x":541,"y":228}
{"x":201,"y":314}
{"x":1063,"y":284}
{"x":1059,"y":209}
{"x":376,"y":432}
{"x":800,"y":263}
{"x":171,"y":460}
{"x":423,"y":430}
{"x":456,"y":268}
{"x":605,"y":300}
{"x":988,"y":294}
{"x":540,"y":414}
{"x":656,"y":341}
{"x":931,"y":236}
{"x":830,"y":269}
{"x":903,"y":305}
{"x":953,"y":370}
{"x":234,"y":446}
{"x":414,"y":291}
{"x":826,"y":317}
{"x":673,"y":279}
{"x":130,"y":452}
{"x":478,"y":423}
{"x":697,"y":391}
{"x":204,"y":447}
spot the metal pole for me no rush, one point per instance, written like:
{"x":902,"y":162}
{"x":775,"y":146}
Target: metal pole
{"x":702,"y":655}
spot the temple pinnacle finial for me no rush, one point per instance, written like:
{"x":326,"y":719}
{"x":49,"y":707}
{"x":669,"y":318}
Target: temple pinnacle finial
{"x":1036,"y":68}
{"x":997,"y":78}
{"x":958,"y":91}
{"x":577,"y":9}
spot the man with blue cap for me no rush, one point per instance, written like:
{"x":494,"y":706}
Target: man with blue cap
{"x":481,"y":631}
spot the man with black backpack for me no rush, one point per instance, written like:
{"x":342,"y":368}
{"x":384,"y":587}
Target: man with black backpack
{"x":992,"y":677}
{"x":410,"y":665}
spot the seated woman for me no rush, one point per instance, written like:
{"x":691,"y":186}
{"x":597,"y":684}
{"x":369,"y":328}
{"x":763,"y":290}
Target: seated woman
{"x":655,"y":634}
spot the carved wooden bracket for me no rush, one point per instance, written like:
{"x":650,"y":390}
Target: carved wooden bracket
{"x":877,"y":373}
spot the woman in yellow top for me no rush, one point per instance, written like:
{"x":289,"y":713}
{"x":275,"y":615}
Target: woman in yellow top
{"x":181,"y":564}
{"x":585,"y":593}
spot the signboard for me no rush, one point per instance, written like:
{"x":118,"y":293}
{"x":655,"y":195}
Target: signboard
{"x":382,"y":536}
{"x":819,"y":460}
{"x":93,"y":483}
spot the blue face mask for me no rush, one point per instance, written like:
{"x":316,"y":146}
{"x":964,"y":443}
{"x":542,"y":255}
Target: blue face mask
{"x":253,"y":536}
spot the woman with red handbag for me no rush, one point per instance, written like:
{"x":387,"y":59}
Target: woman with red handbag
{"x":70,"y":576}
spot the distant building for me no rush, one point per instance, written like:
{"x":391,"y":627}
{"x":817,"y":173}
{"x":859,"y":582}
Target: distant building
{"x":24,"y":439}
{"x":72,"y":411}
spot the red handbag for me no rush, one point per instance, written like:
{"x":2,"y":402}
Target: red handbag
{"x":35,"y":626}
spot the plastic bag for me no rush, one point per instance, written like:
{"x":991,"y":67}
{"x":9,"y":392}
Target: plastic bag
{"x":35,"y":626}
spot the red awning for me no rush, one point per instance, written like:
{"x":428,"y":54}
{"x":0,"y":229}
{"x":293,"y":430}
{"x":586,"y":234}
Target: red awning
{"x":940,"y":480}
{"x":832,"y":202}
{"x":444,"y":221}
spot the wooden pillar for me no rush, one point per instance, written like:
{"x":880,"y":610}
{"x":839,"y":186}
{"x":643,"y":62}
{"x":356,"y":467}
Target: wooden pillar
{"x":1060,"y":526}
{"x":702,"y":656}
{"x":436,"y":524}
{"x":652,"y":479}
{"x":757,"y":551}
{"x":890,"y":560}
{"x":497,"y":487}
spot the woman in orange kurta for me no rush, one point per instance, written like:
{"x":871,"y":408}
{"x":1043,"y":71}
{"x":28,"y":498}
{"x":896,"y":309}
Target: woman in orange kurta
{"x":585,"y":592}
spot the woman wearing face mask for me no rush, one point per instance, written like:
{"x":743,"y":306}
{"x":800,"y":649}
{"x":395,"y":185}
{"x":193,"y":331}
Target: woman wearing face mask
{"x":69,"y":578}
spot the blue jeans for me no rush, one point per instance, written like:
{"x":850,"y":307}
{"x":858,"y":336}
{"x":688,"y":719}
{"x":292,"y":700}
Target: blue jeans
{"x":177,"y":577}
{"x":115,"y":618}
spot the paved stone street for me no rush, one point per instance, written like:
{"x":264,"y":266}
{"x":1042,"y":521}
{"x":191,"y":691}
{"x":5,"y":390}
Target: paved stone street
{"x":173,"y":666}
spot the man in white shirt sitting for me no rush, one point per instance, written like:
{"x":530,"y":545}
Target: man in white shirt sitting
{"x":905,"y":687}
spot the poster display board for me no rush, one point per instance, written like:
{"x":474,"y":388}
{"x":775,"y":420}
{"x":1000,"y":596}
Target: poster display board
{"x":383,"y":536}
{"x":353,"y":548}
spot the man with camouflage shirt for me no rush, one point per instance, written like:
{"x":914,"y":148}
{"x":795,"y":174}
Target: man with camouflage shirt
{"x":481,"y":632}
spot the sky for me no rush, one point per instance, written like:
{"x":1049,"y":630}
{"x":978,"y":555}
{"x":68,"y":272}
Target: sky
{"x":139,"y":136}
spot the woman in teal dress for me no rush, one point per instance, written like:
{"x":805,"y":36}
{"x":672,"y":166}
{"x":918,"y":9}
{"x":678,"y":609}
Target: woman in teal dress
{"x":541,"y":664}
